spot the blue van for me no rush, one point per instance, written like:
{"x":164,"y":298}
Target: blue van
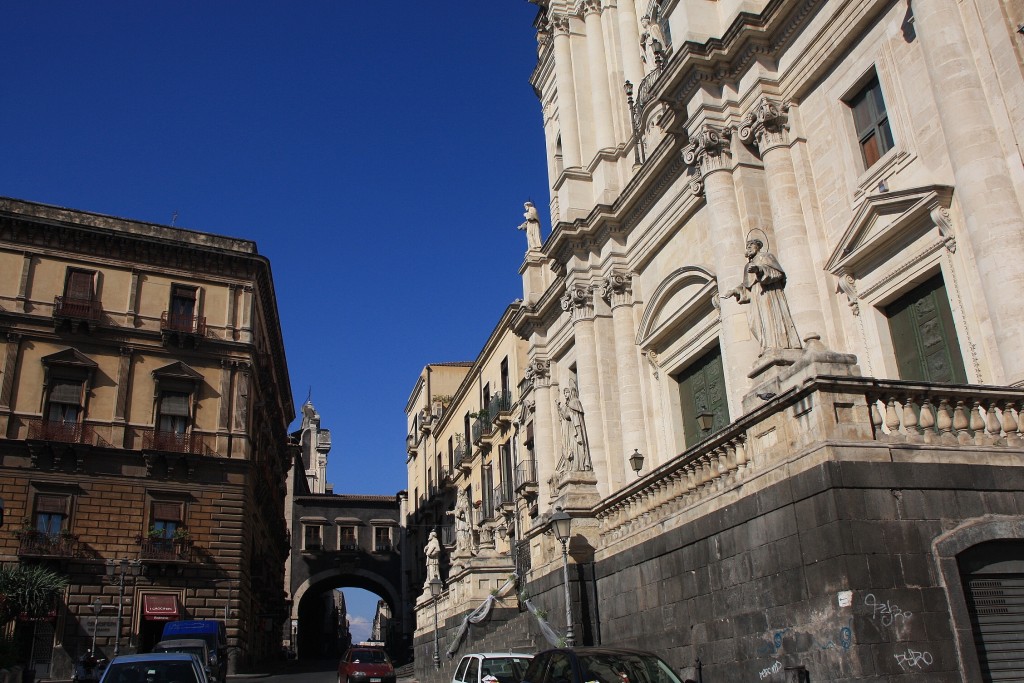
{"x":210,"y":630}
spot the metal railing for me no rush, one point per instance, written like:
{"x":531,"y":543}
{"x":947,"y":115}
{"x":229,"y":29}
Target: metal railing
{"x":174,"y":442}
{"x":81,"y":309}
{"x":499,"y":403}
{"x":33,"y":543}
{"x":165,"y":549}
{"x":179,"y":322}
{"x":481,"y":428}
{"x":526,"y":474}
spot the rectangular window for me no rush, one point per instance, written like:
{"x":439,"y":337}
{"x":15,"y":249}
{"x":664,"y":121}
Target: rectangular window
{"x":872,"y":122}
{"x":165,"y":519}
{"x":51,"y":513}
{"x":312,"y":538}
{"x":382,"y":538}
{"x":487,"y":491}
{"x":347,"y":538}
{"x":79,"y":285}
{"x":173,"y":417}
{"x":64,"y":401}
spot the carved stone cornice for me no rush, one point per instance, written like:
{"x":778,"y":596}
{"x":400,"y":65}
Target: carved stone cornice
{"x":578,"y":300}
{"x":617,"y":289}
{"x":765,"y":125}
{"x":708,"y":150}
{"x":538,"y":372}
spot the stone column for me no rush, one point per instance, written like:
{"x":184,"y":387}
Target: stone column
{"x":601,"y":101}
{"x":629,"y":39}
{"x":617,"y":290}
{"x":124,"y":369}
{"x":538,"y":371}
{"x":10,"y":369}
{"x":765,"y":127}
{"x":709,"y":153}
{"x":568,"y":119}
{"x":25,"y":281}
{"x":578,"y":301}
{"x":992,"y":214}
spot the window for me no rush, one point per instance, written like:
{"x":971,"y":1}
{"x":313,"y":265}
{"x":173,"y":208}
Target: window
{"x":347,"y":538}
{"x":183,"y":308}
{"x":173,"y":416}
{"x":312,"y":537}
{"x":702,"y":398}
{"x":923,"y":336}
{"x":166,"y":520}
{"x":68,"y":376}
{"x":382,"y":538}
{"x":78,"y":286}
{"x":51,"y":513}
{"x":64,"y":402}
{"x":872,"y":122}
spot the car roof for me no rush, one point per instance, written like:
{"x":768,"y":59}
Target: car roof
{"x":182,"y":642}
{"x":499,"y":654}
{"x":603,"y":651}
{"x":155,"y":656}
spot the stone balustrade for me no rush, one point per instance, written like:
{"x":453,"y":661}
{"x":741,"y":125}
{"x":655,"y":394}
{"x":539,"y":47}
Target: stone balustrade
{"x":839,"y":410}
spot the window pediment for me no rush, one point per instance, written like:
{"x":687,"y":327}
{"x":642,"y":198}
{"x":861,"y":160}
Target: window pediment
{"x":680,"y":297}
{"x":178,"y":371}
{"x":70,"y":359}
{"x":885,"y":219}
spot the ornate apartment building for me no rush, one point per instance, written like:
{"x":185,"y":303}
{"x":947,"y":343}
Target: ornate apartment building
{"x":144,"y":405}
{"x":772,"y":350}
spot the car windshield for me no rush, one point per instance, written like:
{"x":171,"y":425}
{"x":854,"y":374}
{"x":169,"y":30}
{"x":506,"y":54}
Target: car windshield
{"x":151,"y":672}
{"x":368,"y":657}
{"x":197,"y":651}
{"x":625,"y":668}
{"x":505,"y":669}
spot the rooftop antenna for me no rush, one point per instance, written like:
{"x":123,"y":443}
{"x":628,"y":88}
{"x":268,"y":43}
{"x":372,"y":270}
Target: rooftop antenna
{"x":309,"y":396}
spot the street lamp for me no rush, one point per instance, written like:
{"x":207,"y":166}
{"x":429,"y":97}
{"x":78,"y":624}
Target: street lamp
{"x":129,"y":569}
{"x":636,"y":461}
{"x":561,"y":524}
{"x":97,"y":607}
{"x":435,"y":592}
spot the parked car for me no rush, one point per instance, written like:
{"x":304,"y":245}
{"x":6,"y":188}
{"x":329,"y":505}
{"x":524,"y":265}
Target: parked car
{"x":492,"y":667}
{"x":194,"y":646}
{"x":598,"y":665}
{"x":366,"y":665}
{"x":155,"y":667}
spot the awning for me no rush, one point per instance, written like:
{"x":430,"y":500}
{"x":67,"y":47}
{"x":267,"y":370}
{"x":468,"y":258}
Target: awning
{"x":160,"y":607}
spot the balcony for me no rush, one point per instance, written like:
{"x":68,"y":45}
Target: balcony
{"x":504,"y":499}
{"x":499,"y":409}
{"x":165,"y":550}
{"x":173,"y":442}
{"x":463,"y":454}
{"x":481,"y":428}
{"x":526,"y":478}
{"x":33,"y":543}
{"x":64,"y":432}
{"x":76,"y":314}
{"x":410,"y":444}
{"x":182,"y":330}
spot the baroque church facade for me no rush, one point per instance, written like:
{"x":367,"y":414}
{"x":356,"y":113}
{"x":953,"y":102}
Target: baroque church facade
{"x":786,"y":244}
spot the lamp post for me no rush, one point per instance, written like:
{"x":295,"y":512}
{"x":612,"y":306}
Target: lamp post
{"x":435,"y":592}
{"x":129,"y":569}
{"x":97,"y":607}
{"x":636,"y":461}
{"x":561,"y":524}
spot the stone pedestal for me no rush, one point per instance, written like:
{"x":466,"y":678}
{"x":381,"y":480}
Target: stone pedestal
{"x":574,"y":490}
{"x":779,"y":371}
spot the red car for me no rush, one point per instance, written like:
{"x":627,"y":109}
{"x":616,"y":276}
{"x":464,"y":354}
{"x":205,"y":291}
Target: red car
{"x":366,"y":665}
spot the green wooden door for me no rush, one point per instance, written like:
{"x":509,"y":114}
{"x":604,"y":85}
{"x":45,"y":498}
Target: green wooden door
{"x":924,"y":337}
{"x":702,"y":390}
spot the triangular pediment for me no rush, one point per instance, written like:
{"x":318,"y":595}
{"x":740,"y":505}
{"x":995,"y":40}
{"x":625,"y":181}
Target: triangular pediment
{"x":70,"y":358}
{"x":178,"y":371}
{"x":885,"y":218}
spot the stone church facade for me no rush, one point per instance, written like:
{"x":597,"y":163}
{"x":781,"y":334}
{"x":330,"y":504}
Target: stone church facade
{"x":785,"y":251}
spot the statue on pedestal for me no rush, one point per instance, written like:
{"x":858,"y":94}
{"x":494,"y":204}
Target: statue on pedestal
{"x":763,"y":286}
{"x":532,"y":226}
{"x":575,"y":445}
{"x":463,"y":524}
{"x":433,"y":553}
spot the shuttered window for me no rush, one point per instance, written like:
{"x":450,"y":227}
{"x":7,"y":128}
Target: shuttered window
{"x":702,"y":391}
{"x":872,"y":122}
{"x":996,"y":604}
{"x":79,"y":284}
{"x":924,"y":338}
{"x":51,"y":513}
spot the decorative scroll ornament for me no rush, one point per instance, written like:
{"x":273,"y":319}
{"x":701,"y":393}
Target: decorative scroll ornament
{"x":848,"y":286}
{"x":617,"y":289}
{"x":707,"y":149}
{"x":652,"y":358}
{"x":579,"y":301}
{"x":945,"y":225}
{"x":764,"y":125}
{"x":560,"y":24}
{"x":592,"y":7}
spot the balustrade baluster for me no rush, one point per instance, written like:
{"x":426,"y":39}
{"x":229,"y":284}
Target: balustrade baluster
{"x":926,"y":420}
{"x":892,"y":418}
{"x":1011,"y":424}
{"x":741,"y":456}
{"x":876,"y":417}
{"x":945,"y":422}
{"x":993,"y":428}
{"x":705,"y":473}
{"x":730,"y":449}
{"x":910,"y":421}
{"x":961,"y":422}
{"x":977,"y":423}
{"x":721,"y":467}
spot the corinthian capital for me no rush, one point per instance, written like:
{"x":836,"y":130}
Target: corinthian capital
{"x":708,"y":149}
{"x":579,"y":301}
{"x":765,"y":125}
{"x":591,"y":7}
{"x":538,"y":372}
{"x":560,"y":24}
{"x":617,"y":289}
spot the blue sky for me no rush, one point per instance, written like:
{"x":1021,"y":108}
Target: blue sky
{"x":378,"y":153}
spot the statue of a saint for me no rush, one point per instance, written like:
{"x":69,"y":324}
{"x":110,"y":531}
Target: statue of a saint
{"x":433,"y":553}
{"x":463,"y":522}
{"x":763,"y":284}
{"x":652,"y":43}
{"x":532,"y":226}
{"x":575,"y":446}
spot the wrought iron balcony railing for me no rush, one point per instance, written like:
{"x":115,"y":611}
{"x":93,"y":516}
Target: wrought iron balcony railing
{"x":177,"y":322}
{"x":64,"y":432}
{"x":526,"y":474}
{"x":481,"y":427}
{"x":174,"y":550}
{"x":173,"y":442}
{"x":79,"y":309}
{"x":33,"y":543}
{"x":501,"y":403}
